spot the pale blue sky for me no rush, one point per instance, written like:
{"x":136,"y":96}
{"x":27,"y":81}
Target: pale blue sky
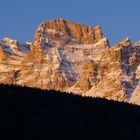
{"x":118,"y":18}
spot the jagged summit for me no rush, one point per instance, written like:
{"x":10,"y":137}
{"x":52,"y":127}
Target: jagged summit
{"x":76,"y":58}
{"x":12,"y":46}
{"x":68,"y":31}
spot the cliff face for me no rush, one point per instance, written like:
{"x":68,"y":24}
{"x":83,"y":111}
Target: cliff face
{"x":67,"y":32}
{"x":75,"y":58}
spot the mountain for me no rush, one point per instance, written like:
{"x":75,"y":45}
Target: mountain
{"x":76,"y":58}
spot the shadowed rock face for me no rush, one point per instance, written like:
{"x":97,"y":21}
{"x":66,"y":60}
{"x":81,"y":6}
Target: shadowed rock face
{"x":75,"y":58}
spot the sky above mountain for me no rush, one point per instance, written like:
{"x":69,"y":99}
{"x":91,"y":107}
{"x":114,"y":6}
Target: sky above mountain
{"x":119,"y":19}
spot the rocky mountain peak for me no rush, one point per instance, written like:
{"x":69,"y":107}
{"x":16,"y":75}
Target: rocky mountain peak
{"x":12,"y":46}
{"x":123,"y":43}
{"x":75,"y":58}
{"x":68,"y":32}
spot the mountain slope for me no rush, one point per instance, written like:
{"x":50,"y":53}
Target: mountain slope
{"x":74,"y":58}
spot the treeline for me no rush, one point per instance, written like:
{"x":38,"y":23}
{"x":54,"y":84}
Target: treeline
{"x":33,"y":113}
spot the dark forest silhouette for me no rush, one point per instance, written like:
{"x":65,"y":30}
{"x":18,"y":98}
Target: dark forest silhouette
{"x":33,"y":113}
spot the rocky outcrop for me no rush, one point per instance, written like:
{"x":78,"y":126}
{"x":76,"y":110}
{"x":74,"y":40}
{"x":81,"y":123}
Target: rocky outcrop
{"x":67,"y":32}
{"x":88,"y":77}
{"x":74,"y":58}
